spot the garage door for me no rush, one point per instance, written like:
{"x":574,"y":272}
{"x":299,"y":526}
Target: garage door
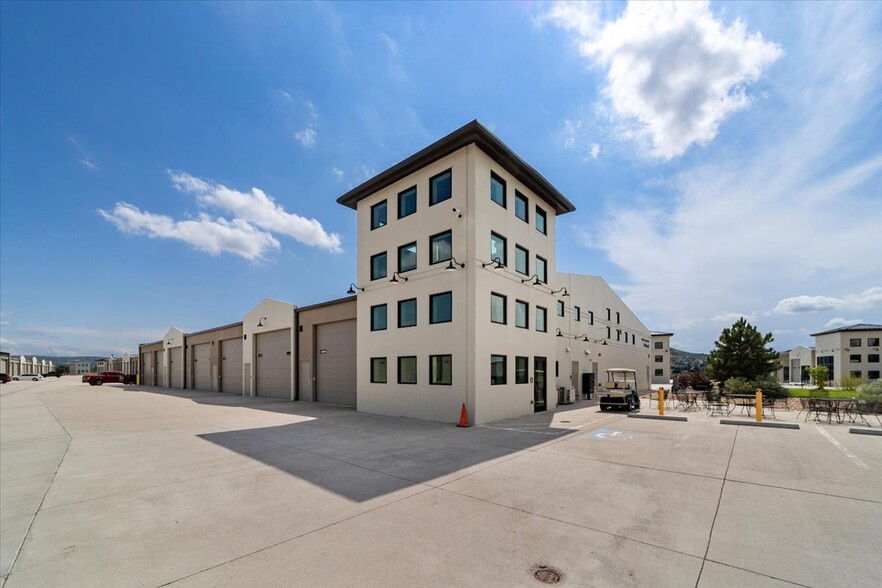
{"x":202,"y":366}
{"x":336,"y":363}
{"x":147,"y":368}
{"x":272,"y":370}
{"x":157,"y":369}
{"x":231,"y":366}
{"x":176,"y":367}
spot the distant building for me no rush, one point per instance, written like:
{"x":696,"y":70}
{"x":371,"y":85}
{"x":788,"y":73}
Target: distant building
{"x":78,"y":368}
{"x":850,"y":350}
{"x":661,"y":357}
{"x":795,"y":364}
{"x":17,"y":365}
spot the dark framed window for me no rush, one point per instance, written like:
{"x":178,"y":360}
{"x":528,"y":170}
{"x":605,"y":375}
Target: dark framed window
{"x":407,"y":202}
{"x":856,"y":374}
{"x":522,"y":207}
{"x":378,"y":370}
{"x":407,"y":312}
{"x":827,"y":362}
{"x":873,"y":358}
{"x":497,"y":308}
{"x":659,"y":358}
{"x":659,"y":345}
{"x":440,"y":188}
{"x":607,"y":333}
{"x":854,"y":342}
{"x":560,"y":308}
{"x":498,"y":248}
{"x":608,"y":314}
{"x":407,"y":369}
{"x":618,"y":334}
{"x":378,"y":266}
{"x":873,"y":342}
{"x":440,"y":247}
{"x":522,"y":314}
{"x":873,"y":375}
{"x":590,"y":317}
{"x":441,"y":308}
{"x":854,"y":358}
{"x":522,"y":370}
{"x":378,"y":215}
{"x":498,"y":370}
{"x":522,"y":260}
{"x":497,"y":189}
{"x":618,"y":317}
{"x":633,"y":339}
{"x":441,"y":370}
{"x":659,"y":372}
{"x":556,"y":369}
{"x":378,"y":317}
{"x":577,"y":313}
{"x":542,"y":269}
{"x":407,"y":257}
{"x":541,"y":319}
{"x":540,"y":221}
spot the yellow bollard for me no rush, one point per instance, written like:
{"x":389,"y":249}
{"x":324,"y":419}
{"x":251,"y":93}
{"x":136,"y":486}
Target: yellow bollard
{"x":661,"y":402}
{"x":759,"y":405}
{"x":137,"y":379}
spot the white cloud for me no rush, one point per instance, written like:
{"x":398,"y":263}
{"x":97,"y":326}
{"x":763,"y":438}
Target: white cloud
{"x":212,"y":236}
{"x":674,"y":71}
{"x":731,"y":317}
{"x":259,"y":209}
{"x":834,"y":323}
{"x":595,"y":150}
{"x":284,"y":95}
{"x":866,"y":299}
{"x":337,"y":173}
{"x":391,"y":44}
{"x":83,"y":158}
{"x":572,"y":131}
{"x":306,"y":137}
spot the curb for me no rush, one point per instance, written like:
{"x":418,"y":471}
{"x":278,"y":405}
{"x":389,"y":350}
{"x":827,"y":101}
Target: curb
{"x":763,"y":424}
{"x":865,"y":432}
{"x":657,"y":417}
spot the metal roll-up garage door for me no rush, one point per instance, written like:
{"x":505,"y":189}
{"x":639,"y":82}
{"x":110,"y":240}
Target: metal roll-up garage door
{"x":231,"y":366}
{"x":157,"y":369}
{"x":202,"y":366}
{"x":272,"y":370}
{"x":336,"y":363}
{"x":176,"y":367}
{"x":147,"y":368}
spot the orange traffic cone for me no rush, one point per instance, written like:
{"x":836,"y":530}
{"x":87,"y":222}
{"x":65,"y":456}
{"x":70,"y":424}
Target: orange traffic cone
{"x":463,"y":417}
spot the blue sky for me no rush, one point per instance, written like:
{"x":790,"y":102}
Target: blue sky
{"x":173,"y":164}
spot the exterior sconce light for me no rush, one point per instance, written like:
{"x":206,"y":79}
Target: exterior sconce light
{"x":534,"y":279}
{"x":558,"y":333}
{"x":395,"y":277}
{"x":260,"y":323}
{"x":353,"y":288}
{"x":558,"y":291}
{"x":496,"y":263}
{"x":170,"y":341}
{"x":457,"y":212}
{"x":453,"y":264}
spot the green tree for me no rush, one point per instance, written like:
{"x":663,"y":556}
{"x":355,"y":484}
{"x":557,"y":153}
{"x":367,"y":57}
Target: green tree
{"x":819,"y":375}
{"x":742,"y":352}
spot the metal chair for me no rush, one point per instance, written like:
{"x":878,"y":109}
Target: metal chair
{"x":714,"y":404}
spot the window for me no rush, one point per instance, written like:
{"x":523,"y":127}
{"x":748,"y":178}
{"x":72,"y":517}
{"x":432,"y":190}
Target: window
{"x":618,"y":334}
{"x":378,"y":370}
{"x":542,"y":269}
{"x":407,"y":369}
{"x":522,"y":310}
{"x":659,"y":345}
{"x":497,"y":308}
{"x":441,"y":370}
{"x":497,"y":370}
{"x":378,"y":317}
{"x":827,"y":362}
{"x":873,"y":342}
{"x":378,"y":215}
{"x":659,"y":372}
{"x":659,"y":358}
{"x":873,"y":375}
{"x":441,"y":308}
{"x":541,"y":319}
{"x":856,"y":374}
{"x":608,"y":314}
{"x":618,"y":318}
{"x":854,"y":342}
{"x":497,"y":248}
{"x":522,"y":367}
{"x":497,"y":189}
{"x":607,"y":333}
{"x":556,"y":369}
{"x":577,"y":313}
{"x":560,"y":308}
{"x":873,"y":358}
{"x":439,"y":188}
{"x":407,"y":202}
{"x":521,"y":207}
{"x":590,"y":317}
{"x":378,"y":266}
{"x":407,"y":312}
{"x":407,"y":257}
{"x":522,"y":263}
{"x":854,"y":358}
{"x":633,"y":339}
{"x":440,"y":247}
{"x":540,"y":221}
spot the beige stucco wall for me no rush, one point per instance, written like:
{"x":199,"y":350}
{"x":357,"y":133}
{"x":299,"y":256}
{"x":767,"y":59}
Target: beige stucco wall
{"x":277,"y":315}
{"x":173,"y":339}
{"x":213,"y":337}
{"x":665,"y":364}
{"x":309,"y":319}
{"x":839,"y":346}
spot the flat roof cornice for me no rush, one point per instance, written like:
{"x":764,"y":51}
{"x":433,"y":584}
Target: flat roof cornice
{"x":473,"y":132}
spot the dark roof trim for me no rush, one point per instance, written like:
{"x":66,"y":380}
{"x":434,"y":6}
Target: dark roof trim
{"x":327,"y":303}
{"x":473,"y":132}
{"x":660,"y":334}
{"x":857,"y":327}
{"x":239,"y":324}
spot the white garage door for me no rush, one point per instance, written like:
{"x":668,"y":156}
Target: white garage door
{"x":202,"y":366}
{"x":231,"y":366}
{"x":336,"y":363}
{"x":272,"y":370}
{"x":176,"y":367}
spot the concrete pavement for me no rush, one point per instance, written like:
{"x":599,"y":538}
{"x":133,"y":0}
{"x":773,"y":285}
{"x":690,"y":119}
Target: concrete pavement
{"x":127,"y":486}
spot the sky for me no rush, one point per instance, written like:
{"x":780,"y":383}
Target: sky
{"x":174,"y":163}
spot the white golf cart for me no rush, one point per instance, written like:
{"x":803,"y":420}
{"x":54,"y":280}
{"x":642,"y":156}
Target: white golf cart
{"x":619,"y":390}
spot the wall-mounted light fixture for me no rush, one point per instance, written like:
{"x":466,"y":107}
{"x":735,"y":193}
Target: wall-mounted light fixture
{"x":395,"y":277}
{"x":558,"y":333}
{"x":453,"y":264}
{"x":496,"y":263}
{"x":558,"y":291}
{"x":534,"y":279}
{"x":353,"y":288}
{"x":260,"y":323}
{"x":170,"y":341}
{"x":457,"y":212}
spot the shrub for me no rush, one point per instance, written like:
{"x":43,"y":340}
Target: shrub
{"x":739,"y":386}
{"x":870,"y":392}
{"x":819,"y":375}
{"x":850,"y":382}
{"x":769,"y":384}
{"x":695,"y":380}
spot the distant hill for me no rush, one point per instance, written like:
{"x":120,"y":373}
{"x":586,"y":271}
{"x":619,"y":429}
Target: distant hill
{"x":684,"y":361}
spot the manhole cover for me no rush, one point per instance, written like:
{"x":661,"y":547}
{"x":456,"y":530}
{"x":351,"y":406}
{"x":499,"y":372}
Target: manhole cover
{"x":547,"y":575}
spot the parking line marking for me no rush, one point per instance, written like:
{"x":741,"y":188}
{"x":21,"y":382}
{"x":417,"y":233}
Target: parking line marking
{"x":842,"y":448}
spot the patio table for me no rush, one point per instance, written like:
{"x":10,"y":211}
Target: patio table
{"x":688,"y":399}
{"x":831,"y":406}
{"x":747,"y":401}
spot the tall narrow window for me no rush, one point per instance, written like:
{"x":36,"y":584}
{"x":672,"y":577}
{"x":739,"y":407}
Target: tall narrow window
{"x":608,"y":333}
{"x":378,"y":215}
{"x":378,"y":317}
{"x":497,"y":248}
{"x":407,"y":257}
{"x":590,"y":317}
{"x":542,"y":269}
{"x":522,"y":367}
{"x":608,"y":315}
{"x":441,"y":308}
{"x":441,"y":370}
{"x":378,"y":370}
{"x":497,"y":370}
{"x":521,"y":207}
{"x":407,"y":312}
{"x":497,"y":189}
{"x":440,"y":247}
{"x":407,"y":369}
{"x":439,"y":188}
{"x":522,"y":313}
{"x":522,"y":263}
{"x":618,"y":317}
{"x":577,"y":313}
{"x":540,"y":221}
{"x":407,"y":202}
{"x":497,"y":308}
{"x":541,"y":319}
{"x":560,"y":308}
{"x":378,"y":266}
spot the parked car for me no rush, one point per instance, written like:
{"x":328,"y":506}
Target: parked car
{"x":22,"y":377}
{"x":52,"y":374}
{"x":4,"y":378}
{"x":108,"y":378}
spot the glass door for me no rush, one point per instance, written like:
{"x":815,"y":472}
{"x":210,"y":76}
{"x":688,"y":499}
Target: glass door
{"x":539,"y":384}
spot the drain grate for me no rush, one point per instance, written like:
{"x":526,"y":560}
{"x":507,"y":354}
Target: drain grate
{"x":547,"y":575}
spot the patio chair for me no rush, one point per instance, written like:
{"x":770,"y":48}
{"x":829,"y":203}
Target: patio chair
{"x":803,"y":406}
{"x":714,"y":404}
{"x":769,"y":404}
{"x":863,"y":407}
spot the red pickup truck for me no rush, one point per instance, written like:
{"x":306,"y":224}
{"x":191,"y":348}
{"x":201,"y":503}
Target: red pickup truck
{"x":109,"y":377}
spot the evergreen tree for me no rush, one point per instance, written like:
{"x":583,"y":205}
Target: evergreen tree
{"x":741,"y":352}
